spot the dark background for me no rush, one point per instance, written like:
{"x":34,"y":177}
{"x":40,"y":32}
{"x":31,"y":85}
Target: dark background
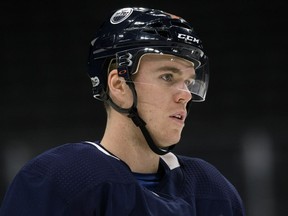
{"x":46,"y":97}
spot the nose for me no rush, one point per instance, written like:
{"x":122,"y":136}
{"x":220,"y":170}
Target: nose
{"x":183,"y":95}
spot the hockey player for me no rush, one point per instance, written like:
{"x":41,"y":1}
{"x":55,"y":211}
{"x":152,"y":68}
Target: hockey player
{"x":146,"y":65}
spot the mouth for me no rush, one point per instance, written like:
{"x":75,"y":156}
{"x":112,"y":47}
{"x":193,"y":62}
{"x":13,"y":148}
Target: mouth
{"x":177,"y":116}
{"x":180,"y":116}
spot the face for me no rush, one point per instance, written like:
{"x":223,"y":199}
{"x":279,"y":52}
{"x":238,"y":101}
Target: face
{"x":162,"y":82}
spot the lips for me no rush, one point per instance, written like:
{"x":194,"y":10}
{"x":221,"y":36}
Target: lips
{"x":181,"y":116}
{"x":178,"y":116}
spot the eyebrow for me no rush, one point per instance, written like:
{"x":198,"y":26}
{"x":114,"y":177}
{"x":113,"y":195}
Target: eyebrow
{"x":175,"y":70}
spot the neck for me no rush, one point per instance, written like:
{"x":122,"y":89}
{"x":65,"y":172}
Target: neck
{"x":126,"y":141}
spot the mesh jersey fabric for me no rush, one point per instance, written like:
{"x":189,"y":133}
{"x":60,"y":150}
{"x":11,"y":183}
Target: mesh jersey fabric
{"x":79,"y":179}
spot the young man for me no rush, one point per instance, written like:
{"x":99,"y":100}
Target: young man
{"x":146,"y":65}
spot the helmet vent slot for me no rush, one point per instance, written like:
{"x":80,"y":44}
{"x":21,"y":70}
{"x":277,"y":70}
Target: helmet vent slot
{"x":149,"y":31}
{"x":156,"y":25}
{"x":179,"y":24}
{"x":164,"y":33}
{"x":159,"y":32}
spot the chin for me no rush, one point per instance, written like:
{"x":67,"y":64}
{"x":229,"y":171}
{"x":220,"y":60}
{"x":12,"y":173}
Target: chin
{"x":167,"y":143}
{"x":164,"y":140}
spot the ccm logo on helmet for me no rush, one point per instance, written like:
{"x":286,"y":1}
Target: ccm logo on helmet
{"x":188,"y":38}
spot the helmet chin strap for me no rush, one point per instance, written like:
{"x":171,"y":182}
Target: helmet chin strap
{"x":138,"y":121}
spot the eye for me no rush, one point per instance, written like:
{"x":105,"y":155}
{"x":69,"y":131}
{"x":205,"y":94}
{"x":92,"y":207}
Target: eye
{"x":190,"y":82}
{"x":167,"y":77}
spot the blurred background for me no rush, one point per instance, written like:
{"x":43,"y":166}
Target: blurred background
{"x":46,"y":97}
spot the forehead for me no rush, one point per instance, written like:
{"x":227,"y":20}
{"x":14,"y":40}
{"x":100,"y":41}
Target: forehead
{"x":156,"y":61}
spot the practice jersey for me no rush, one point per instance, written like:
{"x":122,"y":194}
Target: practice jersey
{"x":84,"y":179}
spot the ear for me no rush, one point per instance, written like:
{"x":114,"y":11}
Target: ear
{"x":118,"y":89}
{"x":114,"y":81}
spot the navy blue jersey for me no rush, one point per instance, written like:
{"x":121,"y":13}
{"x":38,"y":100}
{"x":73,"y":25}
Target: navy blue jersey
{"x":84,"y":179}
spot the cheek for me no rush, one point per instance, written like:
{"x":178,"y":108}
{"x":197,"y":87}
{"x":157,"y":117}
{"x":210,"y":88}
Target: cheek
{"x":153,"y":101}
{"x":153,"y":111}
{"x":152,"y":94}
